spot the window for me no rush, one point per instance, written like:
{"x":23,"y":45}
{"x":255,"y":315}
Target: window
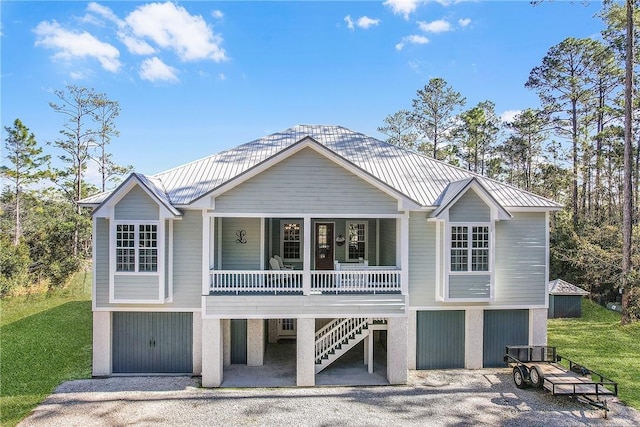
{"x":470,"y":248}
{"x":291,"y":241}
{"x":357,"y":240}
{"x":137,"y":247}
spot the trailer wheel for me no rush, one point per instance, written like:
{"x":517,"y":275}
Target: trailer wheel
{"x":519,"y":377}
{"x":536,"y":376}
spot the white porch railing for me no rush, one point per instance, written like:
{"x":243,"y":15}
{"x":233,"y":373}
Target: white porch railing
{"x":371,"y":280}
{"x":256,"y":281}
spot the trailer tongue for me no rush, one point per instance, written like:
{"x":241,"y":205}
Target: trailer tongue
{"x":539,"y":366}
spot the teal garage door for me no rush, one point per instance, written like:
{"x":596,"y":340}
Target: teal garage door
{"x":152,"y":343}
{"x":440,"y":339}
{"x":239,"y":341}
{"x":503,"y":328}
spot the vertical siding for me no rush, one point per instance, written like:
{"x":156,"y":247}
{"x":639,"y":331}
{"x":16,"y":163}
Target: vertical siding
{"x":520,"y":254}
{"x":503,"y":328}
{"x":422,"y":260}
{"x":238,"y":256}
{"x":137,"y":205}
{"x":469,"y":286}
{"x":145,"y":287}
{"x":387,"y":241}
{"x":566,"y":306}
{"x":239,"y":341}
{"x":440,"y":339}
{"x":469,"y":208}
{"x":306,"y":182}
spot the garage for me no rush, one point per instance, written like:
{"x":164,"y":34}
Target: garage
{"x":502,"y":328}
{"x":152,"y":343}
{"x":440,"y":339}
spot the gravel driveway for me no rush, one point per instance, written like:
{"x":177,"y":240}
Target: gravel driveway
{"x":433,"y":398}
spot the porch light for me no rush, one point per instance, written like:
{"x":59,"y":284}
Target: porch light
{"x":340,"y":240}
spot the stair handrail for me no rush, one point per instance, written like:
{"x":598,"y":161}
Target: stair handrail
{"x":330,"y":340}
{"x":320,"y":332}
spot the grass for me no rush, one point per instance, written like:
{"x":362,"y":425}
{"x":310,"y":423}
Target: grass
{"x":45,"y":340}
{"x":598,"y":341}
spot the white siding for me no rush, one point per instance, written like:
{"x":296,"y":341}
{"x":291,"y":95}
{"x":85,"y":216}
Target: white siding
{"x":137,"y":287}
{"x":101,"y":266}
{"x":469,"y":208}
{"x":306,"y":182}
{"x":422,"y":260}
{"x":136,"y":205}
{"x":240,"y":256}
{"x":469,"y":286}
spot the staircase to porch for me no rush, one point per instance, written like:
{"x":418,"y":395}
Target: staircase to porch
{"x":339,"y":336}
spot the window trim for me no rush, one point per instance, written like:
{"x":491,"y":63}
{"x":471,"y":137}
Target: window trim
{"x":300,"y":241}
{"x":136,"y":247}
{"x":366,"y":240}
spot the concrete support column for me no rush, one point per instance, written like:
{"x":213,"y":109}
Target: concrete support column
{"x":212,"y":354}
{"x":305,"y":345}
{"x":101,"y":343}
{"x":197,"y":343}
{"x":473,"y":338}
{"x":226,"y":339}
{"x":538,"y":326}
{"x":273,"y":330}
{"x":411,"y":341}
{"x":397,"y":350}
{"x":255,"y":342}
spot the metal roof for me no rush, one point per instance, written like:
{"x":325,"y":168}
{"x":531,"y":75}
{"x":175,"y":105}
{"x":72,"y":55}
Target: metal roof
{"x":560,"y":287}
{"x":418,"y":177}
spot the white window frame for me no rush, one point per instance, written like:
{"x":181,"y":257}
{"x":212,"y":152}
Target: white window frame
{"x":137,"y":248}
{"x":366,"y":239}
{"x":469,"y":249}
{"x":300,"y":223}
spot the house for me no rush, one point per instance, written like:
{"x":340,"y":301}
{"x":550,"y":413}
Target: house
{"x":565,"y":299}
{"x":376,"y":242}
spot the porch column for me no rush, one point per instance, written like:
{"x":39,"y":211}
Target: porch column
{"x":538,"y":326}
{"x":305,"y":349}
{"x":101,"y":343}
{"x":404,"y":253}
{"x":473,"y":338}
{"x":255,"y":342}
{"x":226,"y":340}
{"x":212,"y":359}
{"x":397,"y":350}
{"x":197,"y":343}
{"x":306,"y":265}
{"x":412,"y":340}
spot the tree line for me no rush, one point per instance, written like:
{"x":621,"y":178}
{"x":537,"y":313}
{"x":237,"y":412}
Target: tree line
{"x":570,"y":148}
{"x":45,"y":235}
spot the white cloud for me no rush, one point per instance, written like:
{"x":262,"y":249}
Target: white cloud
{"x":69,"y":45}
{"x":104,"y":11}
{"x":365,"y":22}
{"x":412,"y":39}
{"x":438,"y":26}
{"x":171,"y":27}
{"x":222,"y":77}
{"x":509,"y":115}
{"x":403,"y":7}
{"x":153,"y":69}
{"x":135,"y":45}
{"x":218,"y":14}
{"x":349,"y":22}
{"x":464,"y":22}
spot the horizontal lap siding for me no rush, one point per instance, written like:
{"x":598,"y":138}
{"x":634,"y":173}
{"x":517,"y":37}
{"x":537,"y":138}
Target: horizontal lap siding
{"x":306,"y":182}
{"x":422,"y":260}
{"x":520,"y":270}
{"x":136,"y":205}
{"x":241,"y":256}
{"x":136,"y":287}
{"x":387,"y":242}
{"x":469,"y":286}
{"x":470,"y":208}
{"x":101,"y":267}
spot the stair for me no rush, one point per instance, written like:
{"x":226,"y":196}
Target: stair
{"x":338,"y":337}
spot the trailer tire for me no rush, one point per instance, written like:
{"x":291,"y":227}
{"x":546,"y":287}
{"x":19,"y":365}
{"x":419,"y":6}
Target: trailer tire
{"x":519,"y":377}
{"x":536,"y":376}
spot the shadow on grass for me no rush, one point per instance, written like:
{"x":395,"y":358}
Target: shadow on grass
{"x":40,"y":351}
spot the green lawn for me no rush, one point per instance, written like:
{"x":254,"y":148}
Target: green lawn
{"x":45,"y":340}
{"x":599,"y":342}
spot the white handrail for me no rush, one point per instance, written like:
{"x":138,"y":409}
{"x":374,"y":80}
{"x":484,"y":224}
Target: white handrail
{"x":335,"y":337}
{"x":376,"y":280}
{"x":255,"y":281}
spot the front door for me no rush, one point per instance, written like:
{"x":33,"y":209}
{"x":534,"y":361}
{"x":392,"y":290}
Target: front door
{"x":324,"y":246}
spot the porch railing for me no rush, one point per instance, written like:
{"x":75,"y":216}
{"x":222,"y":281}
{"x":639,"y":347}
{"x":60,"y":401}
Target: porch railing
{"x":373,"y":280}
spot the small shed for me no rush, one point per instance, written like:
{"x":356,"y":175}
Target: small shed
{"x":565,"y":299}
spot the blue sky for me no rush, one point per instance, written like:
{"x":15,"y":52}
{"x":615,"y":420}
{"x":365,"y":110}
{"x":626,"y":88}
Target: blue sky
{"x":195,"y":78}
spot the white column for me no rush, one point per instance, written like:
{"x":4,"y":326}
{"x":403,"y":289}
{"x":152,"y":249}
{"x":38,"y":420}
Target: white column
{"x":473,"y":338}
{"x":273,"y":330}
{"x":369,"y":343}
{"x":101,"y":343}
{"x":305,"y":346}
{"x":212,"y":369}
{"x":538,"y":326}
{"x":404,"y":253}
{"x":226,"y":340}
{"x":366,"y":349}
{"x":397,"y":350}
{"x":411,"y":340}
{"x":306,"y":266}
{"x":197,"y":343}
{"x":255,"y":342}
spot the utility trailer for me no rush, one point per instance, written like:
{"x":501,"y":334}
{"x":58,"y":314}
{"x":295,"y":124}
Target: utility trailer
{"x":539,"y":367}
